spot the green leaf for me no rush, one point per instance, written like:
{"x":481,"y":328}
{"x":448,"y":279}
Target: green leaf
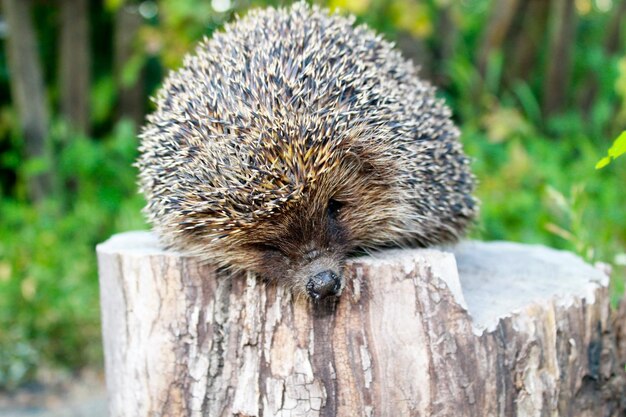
{"x":617,"y":149}
{"x":603,"y":162}
{"x":619,"y":146}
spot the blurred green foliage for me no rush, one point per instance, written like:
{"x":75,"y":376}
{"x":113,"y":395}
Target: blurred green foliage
{"x":49,"y":310}
{"x":538,"y":182}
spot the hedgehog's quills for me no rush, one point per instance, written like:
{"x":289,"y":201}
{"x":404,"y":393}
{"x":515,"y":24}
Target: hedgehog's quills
{"x":291,"y":139}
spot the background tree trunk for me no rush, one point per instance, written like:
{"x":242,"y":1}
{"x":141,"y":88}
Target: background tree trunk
{"x":28,"y":92}
{"x":562,"y":37}
{"x":612,"y":43}
{"x":493,"y":329}
{"x":527,"y":42}
{"x":445,"y":44}
{"x":416,"y":49}
{"x":615,"y":31}
{"x":500,"y":20}
{"x":131,"y":97}
{"x":75,"y":64}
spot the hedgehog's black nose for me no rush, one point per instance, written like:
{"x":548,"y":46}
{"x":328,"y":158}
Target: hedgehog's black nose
{"x":324,"y":284}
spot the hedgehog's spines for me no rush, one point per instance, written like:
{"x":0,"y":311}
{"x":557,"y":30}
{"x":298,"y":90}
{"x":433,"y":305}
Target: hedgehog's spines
{"x":284,"y":109}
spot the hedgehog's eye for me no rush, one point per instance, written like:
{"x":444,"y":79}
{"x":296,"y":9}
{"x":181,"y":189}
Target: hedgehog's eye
{"x":266,"y":247}
{"x":334,"y":207}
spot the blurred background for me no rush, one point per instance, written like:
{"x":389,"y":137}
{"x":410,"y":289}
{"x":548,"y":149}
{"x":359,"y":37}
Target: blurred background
{"x":537,"y":86}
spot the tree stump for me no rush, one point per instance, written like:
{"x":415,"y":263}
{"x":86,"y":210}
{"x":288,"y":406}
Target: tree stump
{"x":481,"y":329}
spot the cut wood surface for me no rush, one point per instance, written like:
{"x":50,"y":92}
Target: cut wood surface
{"x":481,"y":329}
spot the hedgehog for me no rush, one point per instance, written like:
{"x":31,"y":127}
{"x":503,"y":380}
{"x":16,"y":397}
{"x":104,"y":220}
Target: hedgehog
{"x":294,"y":138}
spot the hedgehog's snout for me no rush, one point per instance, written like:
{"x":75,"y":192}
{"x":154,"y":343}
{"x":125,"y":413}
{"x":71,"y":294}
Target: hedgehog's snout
{"x":324,"y":284}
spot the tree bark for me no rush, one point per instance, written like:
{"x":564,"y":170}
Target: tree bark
{"x":490,"y":329}
{"x":28,"y":91}
{"x":562,"y":37}
{"x":75,"y":64}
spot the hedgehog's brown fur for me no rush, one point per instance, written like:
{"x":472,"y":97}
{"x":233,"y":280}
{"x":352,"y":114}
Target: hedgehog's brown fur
{"x":283,"y":112}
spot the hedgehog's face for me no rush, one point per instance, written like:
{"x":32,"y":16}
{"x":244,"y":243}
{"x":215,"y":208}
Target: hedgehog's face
{"x":304,"y":245}
{"x":290,"y":210}
{"x":303,"y":248}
